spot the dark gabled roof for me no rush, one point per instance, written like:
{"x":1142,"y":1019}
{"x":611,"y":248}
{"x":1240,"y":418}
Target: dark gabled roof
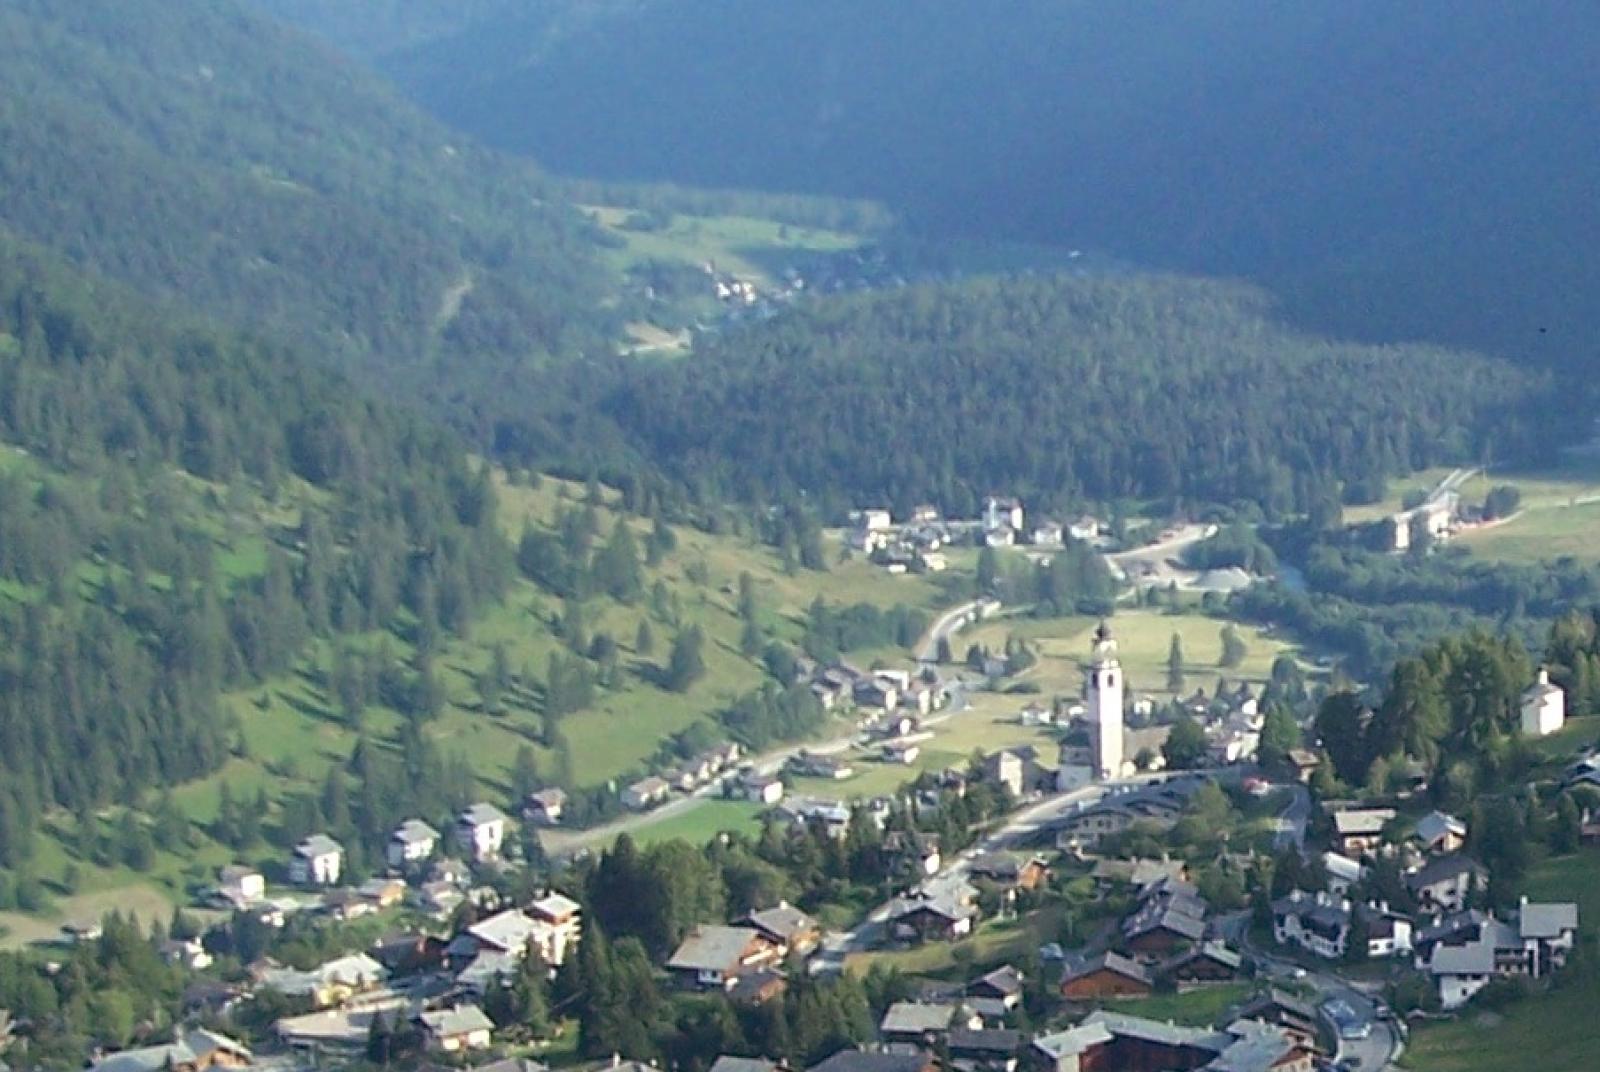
{"x":985,"y":1040}
{"x":864,"y":1061}
{"x":1112,"y":962}
{"x":783,"y":921}
{"x":1003,"y":980}
{"x":713,"y":948}
{"x":1443,"y":869}
{"x":1218,"y":951}
{"x":1280,"y":1001}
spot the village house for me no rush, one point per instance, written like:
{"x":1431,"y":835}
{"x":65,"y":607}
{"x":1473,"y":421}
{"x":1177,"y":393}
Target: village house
{"x":192,"y":1051}
{"x":815,"y":765}
{"x":545,"y":806}
{"x":557,"y":926}
{"x":1002,"y":512}
{"x":1169,"y":915}
{"x":1467,"y":953}
{"x":240,"y":887}
{"x":1358,"y":832}
{"x":729,"y":1063}
{"x":481,"y":831}
{"x":1138,"y":873}
{"x":1439,"y":834}
{"x":1304,"y":763}
{"x":1112,"y":1042}
{"x":1322,"y":925}
{"x":333,"y":982}
{"x":455,"y":1030}
{"x":1544,"y":707}
{"x":190,"y":954}
{"x":713,"y":957}
{"x":996,"y":993}
{"x":1443,"y":883}
{"x":985,"y":1049}
{"x":832,"y":816}
{"x":1342,"y":873}
{"x":381,"y":892}
{"x":1201,"y":965}
{"x":908,"y":1026}
{"x":644,"y":794}
{"x":913,"y":853}
{"x":900,"y":752}
{"x":1108,"y":975}
{"x":1010,"y":872}
{"x":760,"y":788}
{"x":317,"y":861}
{"x":942,"y":918}
{"x":877,"y":1061}
{"x":409,"y":953}
{"x":786,"y":927}
{"x":1278,"y":1008}
{"x":412,"y":842}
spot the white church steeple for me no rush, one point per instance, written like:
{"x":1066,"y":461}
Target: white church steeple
{"x":1103,"y":688}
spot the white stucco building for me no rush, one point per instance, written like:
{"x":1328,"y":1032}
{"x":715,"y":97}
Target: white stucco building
{"x":1544,"y":707}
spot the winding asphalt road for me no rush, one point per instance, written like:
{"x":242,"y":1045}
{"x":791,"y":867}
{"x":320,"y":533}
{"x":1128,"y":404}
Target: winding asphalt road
{"x":560,"y":842}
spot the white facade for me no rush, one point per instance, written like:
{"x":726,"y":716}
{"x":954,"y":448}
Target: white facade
{"x":1544,"y":707}
{"x":317,"y":861}
{"x":1103,"y":696}
{"x":1001,"y":513}
{"x":481,"y":831}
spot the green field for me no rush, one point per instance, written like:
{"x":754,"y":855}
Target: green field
{"x":701,"y":823}
{"x":1540,"y":534}
{"x":733,"y":243}
{"x":1558,"y":1026}
{"x":1201,"y":1007}
{"x":1144,"y":639}
{"x":1559,"y":516}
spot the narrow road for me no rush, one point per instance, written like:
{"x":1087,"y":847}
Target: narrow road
{"x":1017,"y":829}
{"x":562,"y":842}
{"x":944,"y":627}
{"x":1378,"y":1050}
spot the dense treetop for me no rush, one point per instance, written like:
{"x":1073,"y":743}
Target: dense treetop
{"x":181,"y":509}
{"x":1062,"y":389}
{"x":198,"y":151}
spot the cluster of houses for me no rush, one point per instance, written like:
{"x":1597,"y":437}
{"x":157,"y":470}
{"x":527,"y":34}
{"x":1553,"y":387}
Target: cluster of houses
{"x":419,"y":874}
{"x":874,"y":696}
{"x":708,"y":768}
{"x":428,"y":983}
{"x":916,"y":544}
{"x":433,"y":983}
{"x":1460,"y":948}
{"x":745,"y":960}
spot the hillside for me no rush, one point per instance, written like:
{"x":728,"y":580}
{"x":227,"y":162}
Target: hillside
{"x":1063,"y":390}
{"x":182,"y":512}
{"x":1395,"y":171}
{"x":205,"y":155}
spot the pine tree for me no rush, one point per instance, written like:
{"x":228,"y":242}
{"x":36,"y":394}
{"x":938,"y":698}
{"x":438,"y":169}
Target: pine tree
{"x":685,"y":663}
{"x":1233,"y":647}
{"x":1175,"y":678}
{"x":644,"y":641}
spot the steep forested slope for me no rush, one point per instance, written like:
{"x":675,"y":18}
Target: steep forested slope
{"x":181,"y":511}
{"x":1061,"y":389}
{"x":1398,"y":170}
{"x":205,"y":154}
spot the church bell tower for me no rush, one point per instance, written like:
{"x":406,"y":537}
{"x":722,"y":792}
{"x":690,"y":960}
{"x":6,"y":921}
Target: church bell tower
{"x":1103,"y":698}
